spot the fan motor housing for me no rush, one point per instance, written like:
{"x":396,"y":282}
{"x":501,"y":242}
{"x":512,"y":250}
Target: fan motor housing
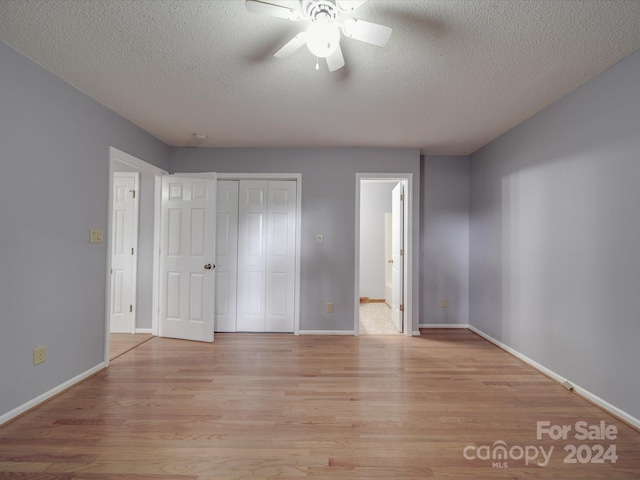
{"x":315,"y":9}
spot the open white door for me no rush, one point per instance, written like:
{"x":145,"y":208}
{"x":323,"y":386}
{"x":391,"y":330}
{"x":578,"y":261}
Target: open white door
{"x":187,"y":250}
{"x":124,"y":251}
{"x":397,"y":255}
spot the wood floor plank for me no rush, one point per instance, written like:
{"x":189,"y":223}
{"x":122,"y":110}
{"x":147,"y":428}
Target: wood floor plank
{"x":285,"y":407}
{"x":121,"y":343}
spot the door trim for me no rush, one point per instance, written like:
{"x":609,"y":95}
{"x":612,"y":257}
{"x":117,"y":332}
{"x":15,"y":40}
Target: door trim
{"x":116,"y":155}
{"x":410,"y":301}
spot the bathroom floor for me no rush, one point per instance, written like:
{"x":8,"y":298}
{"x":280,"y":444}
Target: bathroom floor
{"x":375,"y":319}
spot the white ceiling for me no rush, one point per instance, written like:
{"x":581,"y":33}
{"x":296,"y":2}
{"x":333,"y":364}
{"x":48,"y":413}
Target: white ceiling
{"x":454,"y":75}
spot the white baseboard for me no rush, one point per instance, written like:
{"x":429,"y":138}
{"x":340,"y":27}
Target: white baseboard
{"x":51,"y":393}
{"x":612,"y":409}
{"x":327,"y":332}
{"x":144,"y":330}
{"x":443,"y":325}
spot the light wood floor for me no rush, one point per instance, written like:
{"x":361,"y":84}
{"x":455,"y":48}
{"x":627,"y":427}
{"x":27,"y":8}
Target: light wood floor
{"x":121,"y":343}
{"x":323,"y":407}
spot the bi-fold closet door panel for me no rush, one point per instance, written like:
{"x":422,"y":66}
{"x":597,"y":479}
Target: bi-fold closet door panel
{"x":252,"y":255}
{"x":281,"y":256}
{"x":226,"y":256}
{"x":266,"y":240}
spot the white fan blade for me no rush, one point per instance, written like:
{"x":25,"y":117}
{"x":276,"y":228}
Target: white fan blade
{"x":264,"y":8}
{"x":292,"y":45}
{"x":349,"y":5}
{"x":368,"y":32}
{"x":335,"y":61}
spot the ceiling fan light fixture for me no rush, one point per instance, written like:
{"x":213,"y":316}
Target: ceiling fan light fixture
{"x":323,"y":38}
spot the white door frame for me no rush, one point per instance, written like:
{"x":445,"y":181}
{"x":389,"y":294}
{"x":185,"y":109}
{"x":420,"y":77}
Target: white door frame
{"x":411,"y":303}
{"x":274,"y":176}
{"x":141,"y":166}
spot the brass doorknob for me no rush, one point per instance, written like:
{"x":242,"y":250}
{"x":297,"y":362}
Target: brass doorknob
{"x":208,"y":266}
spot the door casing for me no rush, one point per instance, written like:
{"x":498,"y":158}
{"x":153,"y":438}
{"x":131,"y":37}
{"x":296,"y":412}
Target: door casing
{"x":410,"y":302}
{"x":141,"y":166}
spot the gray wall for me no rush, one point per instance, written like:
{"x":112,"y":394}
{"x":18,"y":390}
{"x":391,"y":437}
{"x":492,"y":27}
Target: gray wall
{"x":555,"y":237}
{"x":54,"y":179}
{"x":375,"y":201}
{"x":444,"y":240}
{"x":328,"y":207}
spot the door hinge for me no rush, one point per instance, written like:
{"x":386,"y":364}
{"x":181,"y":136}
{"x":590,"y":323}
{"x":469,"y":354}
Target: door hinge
{"x":133,"y":192}
{"x":402,"y":252}
{"x":131,"y":250}
{"x":131,"y":308}
{"x":402,"y":308}
{"x":402,"y":197}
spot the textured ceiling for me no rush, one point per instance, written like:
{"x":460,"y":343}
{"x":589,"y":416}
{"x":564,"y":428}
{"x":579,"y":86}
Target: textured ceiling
{"x":454,"y":75}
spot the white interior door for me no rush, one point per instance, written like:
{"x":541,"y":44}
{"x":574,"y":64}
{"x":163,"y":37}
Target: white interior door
{"x":226,"y":256}
{"x":124,"y":246}
{"x":281,"y":257}
{"x":252,"y":255}
{"x":397,"y":242}
{"x":187,"y":252}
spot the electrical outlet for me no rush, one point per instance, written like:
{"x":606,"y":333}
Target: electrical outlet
{"x":95,"y":235}
{"x":319,"y":239}
{"x":329,"y":308}
{"x":443,"y":303}
{"x":40,"y":355}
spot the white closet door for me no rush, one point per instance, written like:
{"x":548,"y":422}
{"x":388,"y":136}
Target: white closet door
{"x":226,"y":256}
{"x":252,"y":255}
{"x":281,"y":256}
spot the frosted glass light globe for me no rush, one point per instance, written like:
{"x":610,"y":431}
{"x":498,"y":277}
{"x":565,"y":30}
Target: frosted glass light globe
{"x":323,"y":38}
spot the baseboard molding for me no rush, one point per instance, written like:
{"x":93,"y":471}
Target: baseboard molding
{"x":144,"y":330}
{"x":25,"y":407}
{"x":327,"y":332}
{"x":415,"y":333}
{"x":365,"y":300}
{"x":443,"y":325}
{"x":587,"y":395}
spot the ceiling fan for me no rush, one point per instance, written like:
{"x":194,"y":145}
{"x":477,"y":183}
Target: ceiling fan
{"x":327,"y":20}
